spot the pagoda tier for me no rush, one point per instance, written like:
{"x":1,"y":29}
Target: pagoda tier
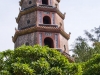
{"x":40,"y":29}
{"x":41,"y":22}
{"x":39,"y":8}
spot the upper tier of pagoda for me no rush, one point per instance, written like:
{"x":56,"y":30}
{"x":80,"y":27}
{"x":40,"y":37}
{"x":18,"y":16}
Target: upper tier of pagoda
{"x":39,"y":8}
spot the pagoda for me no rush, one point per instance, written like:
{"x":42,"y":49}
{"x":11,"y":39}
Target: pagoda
{"x":41,"y":22}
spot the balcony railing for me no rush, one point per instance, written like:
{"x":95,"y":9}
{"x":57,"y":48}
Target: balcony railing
{"x":21,"y":28}
{"x":48,"y":25}
{"x":36,"y":5}
{"x":43,"y":25}
{"x":45,"y":5}
{"x":29,"y":7}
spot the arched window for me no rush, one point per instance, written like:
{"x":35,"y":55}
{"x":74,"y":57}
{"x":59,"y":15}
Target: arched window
{"x":46,"y":20}
{"x":49,"y":42}
{"x":45,"y":2}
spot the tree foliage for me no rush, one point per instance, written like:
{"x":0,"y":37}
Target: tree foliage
{"x":37,"y":60}
{"x":82,"y":49}
{"x":92,"y":66}
{"x":94,"y":35}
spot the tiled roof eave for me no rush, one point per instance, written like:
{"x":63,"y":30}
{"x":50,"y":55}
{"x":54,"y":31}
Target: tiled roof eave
{"x":21,"y":13}
{"x":41,"y":29}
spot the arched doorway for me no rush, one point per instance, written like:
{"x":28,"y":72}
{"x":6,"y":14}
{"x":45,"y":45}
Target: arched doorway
{"x":45,"y":2}
{"x":49,"y":42}
{"x":46,"y":20}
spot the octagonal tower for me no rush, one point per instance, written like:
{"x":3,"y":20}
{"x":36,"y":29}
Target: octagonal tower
{"x":41,"y":22}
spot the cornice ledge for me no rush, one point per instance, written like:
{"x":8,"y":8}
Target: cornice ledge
{"x":42,"y":29}
{"x":22,"y":32}
{"x":60,"y":14}
{"x":38,"y":8}
{"x":34,"y":29}
{"x":64,"y":34}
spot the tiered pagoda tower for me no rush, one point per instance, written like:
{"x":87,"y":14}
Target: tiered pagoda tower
{"x":41,"y":22}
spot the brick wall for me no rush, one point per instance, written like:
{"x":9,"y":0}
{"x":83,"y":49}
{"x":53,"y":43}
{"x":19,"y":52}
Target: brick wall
{"x":59,"y":21}
{"x":30,"y":38}
{"x":23,"y":20}
{"x":26,"y":3}
{"x":63,"y":42}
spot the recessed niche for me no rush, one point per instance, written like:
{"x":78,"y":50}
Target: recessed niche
{"x":28,"y":21}
{"x":27,"y":43}
{"x":45,"y":2}
{"x":46,"y":20}
{"x":64,"y":47}
{"x":30,"y":2}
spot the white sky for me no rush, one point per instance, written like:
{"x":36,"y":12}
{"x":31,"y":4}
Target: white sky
{"x":80,"y":15}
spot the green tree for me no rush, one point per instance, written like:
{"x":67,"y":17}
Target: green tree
{"x":92,"y":66}
{"x":94,"y":35}
{"x":82,"y":50}
{"x":37,"y":60}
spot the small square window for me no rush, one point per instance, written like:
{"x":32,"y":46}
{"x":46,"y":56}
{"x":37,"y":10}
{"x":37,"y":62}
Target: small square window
{"x":28,"y":21}
{"x":27,"y":43}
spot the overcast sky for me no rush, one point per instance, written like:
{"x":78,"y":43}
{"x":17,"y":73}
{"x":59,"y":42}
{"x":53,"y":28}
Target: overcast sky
{"x":80,"y":15}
